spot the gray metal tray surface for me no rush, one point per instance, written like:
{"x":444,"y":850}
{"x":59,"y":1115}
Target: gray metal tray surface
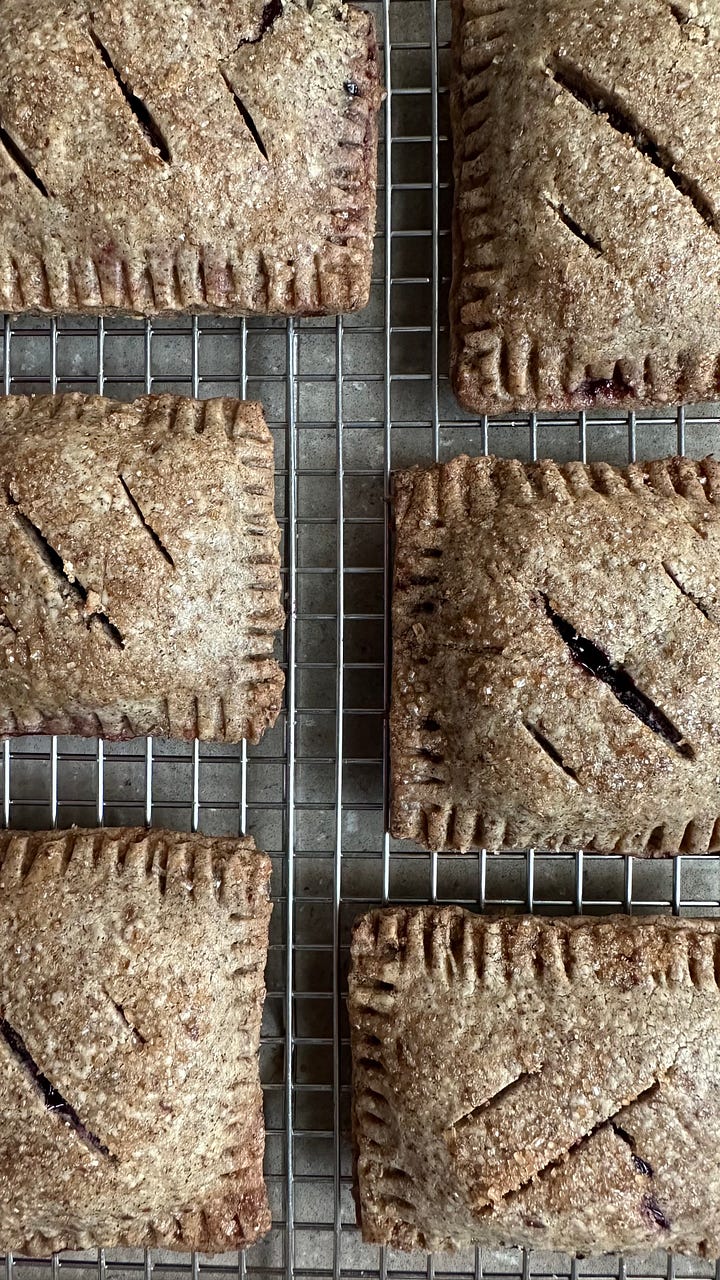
{"x":347,"y":400}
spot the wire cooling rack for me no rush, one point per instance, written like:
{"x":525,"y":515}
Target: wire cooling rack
{"x":347,"y":401}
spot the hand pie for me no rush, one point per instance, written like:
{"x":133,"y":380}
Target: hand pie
{"x":131,"y":993}
{"x":159,"y":156}
{"x":587,"y":204}
{"x":556,"y":648}
{"x":139,"y":568}
{"x":547,"y":1083}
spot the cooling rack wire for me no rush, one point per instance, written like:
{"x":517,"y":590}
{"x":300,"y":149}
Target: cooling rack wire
{"x":347,"y":400}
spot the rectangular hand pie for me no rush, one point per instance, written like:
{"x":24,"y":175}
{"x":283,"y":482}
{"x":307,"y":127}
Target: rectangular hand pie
{"x":139,"y":568}
{"x":131,"y":993}
{"x":160,"y":156}
{"x":587,"y":205}
{"x":547,"y":1083}
{"x":556,"y":644}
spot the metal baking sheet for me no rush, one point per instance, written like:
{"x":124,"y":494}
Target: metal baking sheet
{"x":347,"y":401}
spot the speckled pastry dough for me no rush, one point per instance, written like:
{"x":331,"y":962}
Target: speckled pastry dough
{"x":587,"y":214}
{"x":547,"y":1083}
{"x":131,"y":993}
{"x":139,"y":568}
{"x":159,"y":156}
{"x":556,"y":650}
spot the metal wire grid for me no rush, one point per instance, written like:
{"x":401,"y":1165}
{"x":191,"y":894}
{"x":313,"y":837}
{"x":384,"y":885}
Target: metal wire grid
{"x":347,"y":401}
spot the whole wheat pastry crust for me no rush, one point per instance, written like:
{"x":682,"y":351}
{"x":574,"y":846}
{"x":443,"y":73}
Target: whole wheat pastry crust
{"x":547,"y":1083}
{"x":131,"y":993}
{"x":556,"y":643}
{"x":587,"y":211}
{"x":158,"y":156}
{"x":139,"y":568}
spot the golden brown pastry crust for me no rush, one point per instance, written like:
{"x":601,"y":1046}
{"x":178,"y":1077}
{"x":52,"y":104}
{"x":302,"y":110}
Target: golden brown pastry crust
{"x":556,"y":643}
{"x":139,"y":568}
{"x":547,"y":1083}
{"x":131,"y":993}
{"x":158,"y":156}
{"x":587,"y":211}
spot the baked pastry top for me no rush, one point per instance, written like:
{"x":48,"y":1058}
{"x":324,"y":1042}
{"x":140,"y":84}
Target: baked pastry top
{"x":587,"y":216}
{"x":547,"y":1083}
{"x":139,"y":568}
{"x":159,"y":156}
{"x":131,"y":993}
{"x":556,"y":644}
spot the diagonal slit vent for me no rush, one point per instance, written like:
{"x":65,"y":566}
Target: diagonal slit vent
{"x":272,"y":10}
{"x":53,"y":1100}
{"x":641,"y":1165}
{"x":572,"y":225}
{"x":604,"y":102}
{"x":47,"y":553}
{"x":653,"y":1212}
{"x":54,"y":561}
{"x":619,"y":682}
{"x":111,"y":631}
{"x":466,"y":1121}
{"x":148,"y":527}
{"x":21,"y":160}
{"x":683,"y":590}
{"x":556,"y":1161}
{"x":150,"y":128}
{"x":249,"y":122}
{"x":136,"y":1035}
{"x":546,"y":745}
